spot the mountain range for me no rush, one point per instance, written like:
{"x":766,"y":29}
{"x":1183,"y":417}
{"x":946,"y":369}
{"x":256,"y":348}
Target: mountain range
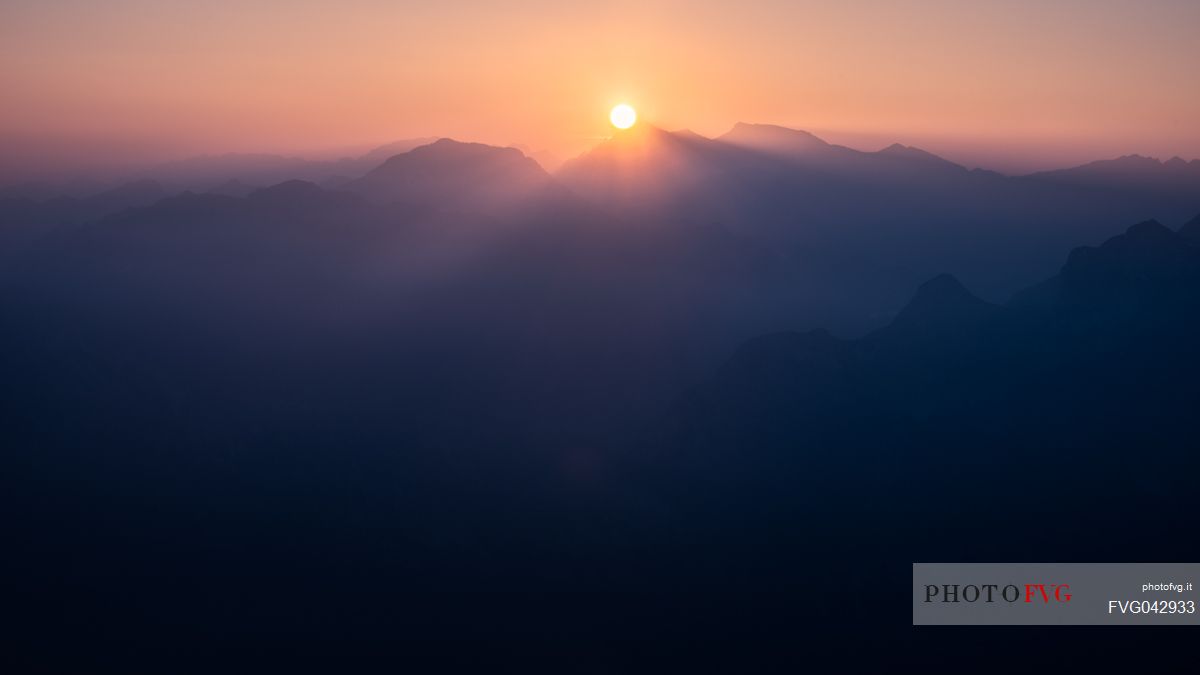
{"x":861,"y":225}
{"x":952,"y":431}
{"x":655,"y":393}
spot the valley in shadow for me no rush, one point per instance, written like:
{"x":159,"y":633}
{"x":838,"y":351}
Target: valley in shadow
{"x":683,"y":392}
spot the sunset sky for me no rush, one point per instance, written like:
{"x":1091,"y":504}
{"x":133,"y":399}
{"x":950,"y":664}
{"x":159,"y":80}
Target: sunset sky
{"x":1013,"y":85}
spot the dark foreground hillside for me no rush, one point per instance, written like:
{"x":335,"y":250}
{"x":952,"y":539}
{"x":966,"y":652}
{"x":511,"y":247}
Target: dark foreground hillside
{"x":245,"y":474}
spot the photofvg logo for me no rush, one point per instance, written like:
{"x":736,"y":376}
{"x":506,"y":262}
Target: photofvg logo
{"x":1033,"y":593}
{"x":1055,"y":594}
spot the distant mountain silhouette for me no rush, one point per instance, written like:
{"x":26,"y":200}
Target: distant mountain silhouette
{"x":802,"y":145}
{"x":45,"y":190}
{"x":1127,"y":171}
{"x":1171,"y":184}
{"x":761,"y":226}
{"x":456,"y":374}
{"x":812,"y":228}
{"x":454,"y":175}
{"x":201,"y":172}
{"x":942,"y":315}
{"x":911,"y":154}
{"x":545,"y":159}
{"x":359,"y":166}
{"x":300,"y":195}
{"x":1136,"y":274}
{"x":204,"y":171}
{"x":138,"y":193}
{"x":650,"y":174}
{"x":232,"y":188}
{"x":776,"y":139}
{"x":1115,"y":312}
{"x":942,"y":301}
{"x":1147,"y":257}
{"x":877,"y":214}
{"x":73,"y":210}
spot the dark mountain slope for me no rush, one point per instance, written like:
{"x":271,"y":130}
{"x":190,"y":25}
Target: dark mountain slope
{"x":214,"y":401}
{"x":1191,"y":229}
{"x":1107,"y":347}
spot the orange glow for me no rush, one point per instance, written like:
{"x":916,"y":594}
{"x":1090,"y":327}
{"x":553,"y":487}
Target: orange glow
{"x":623,"y":116}
{"x":970,"y":80}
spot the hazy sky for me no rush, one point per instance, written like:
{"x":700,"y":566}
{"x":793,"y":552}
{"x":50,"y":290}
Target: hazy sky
{"x":1015,"y":84}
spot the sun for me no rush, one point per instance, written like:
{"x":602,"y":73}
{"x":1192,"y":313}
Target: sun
{"x":623,"y":116}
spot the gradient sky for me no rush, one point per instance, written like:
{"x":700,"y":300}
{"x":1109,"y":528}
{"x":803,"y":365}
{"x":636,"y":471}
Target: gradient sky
{"x":1011,"y":85}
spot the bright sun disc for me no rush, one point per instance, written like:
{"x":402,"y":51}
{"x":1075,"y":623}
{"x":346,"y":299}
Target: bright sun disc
{"x":623,"y":116}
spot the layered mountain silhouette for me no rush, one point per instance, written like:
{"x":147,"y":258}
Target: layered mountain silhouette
{"x":355,"y":167}
{"x":232,"y":188}
{"x":456,"y":372}
{"x":44,"y":204}
{"x":779,"y":140}
{"x":22,"y":212}
{"x":1128,"y":172}
{"x":448,"y":174}
{"x":202,"y":172}
{"x":763,"y":224}
{"x":874,"y":212}
{"x":1117,"y":312}
{"x":645,"y":171}
{"x":651,"y":160}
